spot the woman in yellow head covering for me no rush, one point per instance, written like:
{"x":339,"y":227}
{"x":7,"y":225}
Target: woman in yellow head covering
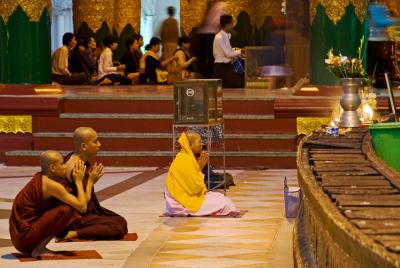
{"x":185,"y":192}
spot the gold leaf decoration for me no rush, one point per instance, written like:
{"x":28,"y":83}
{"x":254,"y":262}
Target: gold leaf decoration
{"x":33,"y":9}
{"x":127,"y":12}
{"x":15,"y":124}
{"x":307,"y":125}
{"x":392,"y":5}
{"x":94,"y":13}
{"x":192,"y":14}
{"x":336,"y":9}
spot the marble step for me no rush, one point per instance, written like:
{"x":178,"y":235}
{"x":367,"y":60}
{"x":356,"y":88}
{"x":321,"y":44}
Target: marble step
{"x":259,"y":159}
{"x":163,"y":141}
{"x":159,"y":104}
{"x":103,"y":122}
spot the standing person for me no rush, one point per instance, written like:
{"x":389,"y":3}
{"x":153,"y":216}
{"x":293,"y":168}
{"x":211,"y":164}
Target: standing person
{"x":107,"y":73}
{"x":60,"y":66}
{"x":169,"y":34}
{"x":152,"y":65}
{"x":224,"y":55}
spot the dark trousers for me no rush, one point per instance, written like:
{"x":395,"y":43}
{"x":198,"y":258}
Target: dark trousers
{"x":72,"y":79}
{"x":230,"y":78}
{"x":116,"y":78}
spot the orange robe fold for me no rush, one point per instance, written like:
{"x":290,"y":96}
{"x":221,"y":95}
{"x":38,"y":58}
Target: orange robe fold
{"x":34,"y":219}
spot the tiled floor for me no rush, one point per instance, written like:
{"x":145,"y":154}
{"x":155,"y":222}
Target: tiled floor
{"x":261,"y":238}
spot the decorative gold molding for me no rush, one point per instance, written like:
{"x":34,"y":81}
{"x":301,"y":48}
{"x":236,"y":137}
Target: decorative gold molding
{"x":127,"y":12}
{"x":307,"y":125}
{"x":392,"y":5}
{"x":94,"y":13}
{"x":192,"y":14}
{"x":257,"y":9}
{"x":33,"y":8}
{"x":15,"y":124}
{"x":336,"y":9}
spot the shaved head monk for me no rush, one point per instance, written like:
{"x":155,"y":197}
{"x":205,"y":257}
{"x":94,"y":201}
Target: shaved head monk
{"x":185,"y":192}
{"x":97,"y":223}
{"x":44,"y":207}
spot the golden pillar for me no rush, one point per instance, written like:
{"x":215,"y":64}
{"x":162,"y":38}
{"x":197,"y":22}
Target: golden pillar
{"x":257,"y":9}
{"x":192,"y":14}
{"x":127,"y":12}
{"x":91,"y":14}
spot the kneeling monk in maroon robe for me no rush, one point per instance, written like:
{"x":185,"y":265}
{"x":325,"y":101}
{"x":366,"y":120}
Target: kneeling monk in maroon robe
{"x":44,"y":208}
{"x":97,"y":223}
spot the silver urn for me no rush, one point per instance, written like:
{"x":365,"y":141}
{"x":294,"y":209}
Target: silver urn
{"x":350,"y":101}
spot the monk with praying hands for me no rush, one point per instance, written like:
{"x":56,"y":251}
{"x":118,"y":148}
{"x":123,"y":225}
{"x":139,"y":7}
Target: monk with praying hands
{"x":186,"y":193}
{"x":44,"y":208}
{"x":98,"y":223}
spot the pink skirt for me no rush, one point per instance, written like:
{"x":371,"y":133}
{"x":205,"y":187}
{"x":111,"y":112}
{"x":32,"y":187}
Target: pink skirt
{"x":215,"y":204}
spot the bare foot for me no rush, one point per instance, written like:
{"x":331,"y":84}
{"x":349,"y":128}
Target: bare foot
{"x":70,"y":235}
{"x":38,"y":253}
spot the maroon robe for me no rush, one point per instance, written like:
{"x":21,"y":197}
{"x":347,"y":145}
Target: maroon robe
{"x":97,"y":223}
{"x":34,"y":219}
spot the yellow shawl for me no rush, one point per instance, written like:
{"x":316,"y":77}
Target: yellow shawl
{"x":162,"y":76}
{"x":185,"y":181}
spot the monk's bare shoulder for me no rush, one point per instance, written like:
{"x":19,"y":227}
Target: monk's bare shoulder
{"x":50,"y":187}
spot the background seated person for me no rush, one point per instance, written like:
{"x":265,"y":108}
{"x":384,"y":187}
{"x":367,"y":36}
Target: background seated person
{"x":225,"y":55}
{"x":60,"y":66}
{"x":80,"y":60}
{"x":44,"y":208}
{"x":183,"y":67}
{"x":131,"y":59}
{"x":107,"y":73}
{"x":186,"y":193}
{"x":152,"y":65}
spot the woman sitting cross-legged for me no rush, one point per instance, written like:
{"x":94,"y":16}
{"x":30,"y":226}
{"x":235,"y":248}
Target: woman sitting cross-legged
{"x":152,"y":65}
{"x":107,"y":72}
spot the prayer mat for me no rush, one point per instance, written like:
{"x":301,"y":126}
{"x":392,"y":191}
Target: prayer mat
{"x":127,"y":237}
{"x":240,"y":215}
{"x":61,"y":255}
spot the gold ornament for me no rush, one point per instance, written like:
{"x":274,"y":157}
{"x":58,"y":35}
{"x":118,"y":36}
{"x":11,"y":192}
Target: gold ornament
{"x":336,"y":9}
{"x":15,"y":124}
{"x":33,"y":9}
{"x":392,"y":5}
{"x":307,"y":125}
{"x":94,"y":13}
{"x":257,"y":9}
{"x":192,"y":14}
{"x":127,"y":12}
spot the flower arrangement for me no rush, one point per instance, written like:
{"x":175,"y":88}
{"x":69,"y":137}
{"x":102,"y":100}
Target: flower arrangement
{"x":346,"y":67}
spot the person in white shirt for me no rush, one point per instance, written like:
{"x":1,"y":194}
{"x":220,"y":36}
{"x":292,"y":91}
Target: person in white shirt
{"x":107,"y":72}
{"x":225,"y":55}
{"x":59,"y":63}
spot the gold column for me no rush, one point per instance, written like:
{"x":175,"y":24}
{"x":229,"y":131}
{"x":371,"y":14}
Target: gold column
{"x":94,"y":13}
{"x":33,"y":9}
{"x":392,"y":5}
{"x":257,"y":9}
{"x":127,"y":12}
{"x":192,"y":14}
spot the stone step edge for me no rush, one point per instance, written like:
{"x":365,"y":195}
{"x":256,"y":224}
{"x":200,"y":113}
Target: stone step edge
{"x":133,"y":135}
{"x":25,"y":153}
{"x":154,"y":116}
{"x":160,"y":98}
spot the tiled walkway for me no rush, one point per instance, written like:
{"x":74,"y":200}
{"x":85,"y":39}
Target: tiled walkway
{"x":261,"y":238}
